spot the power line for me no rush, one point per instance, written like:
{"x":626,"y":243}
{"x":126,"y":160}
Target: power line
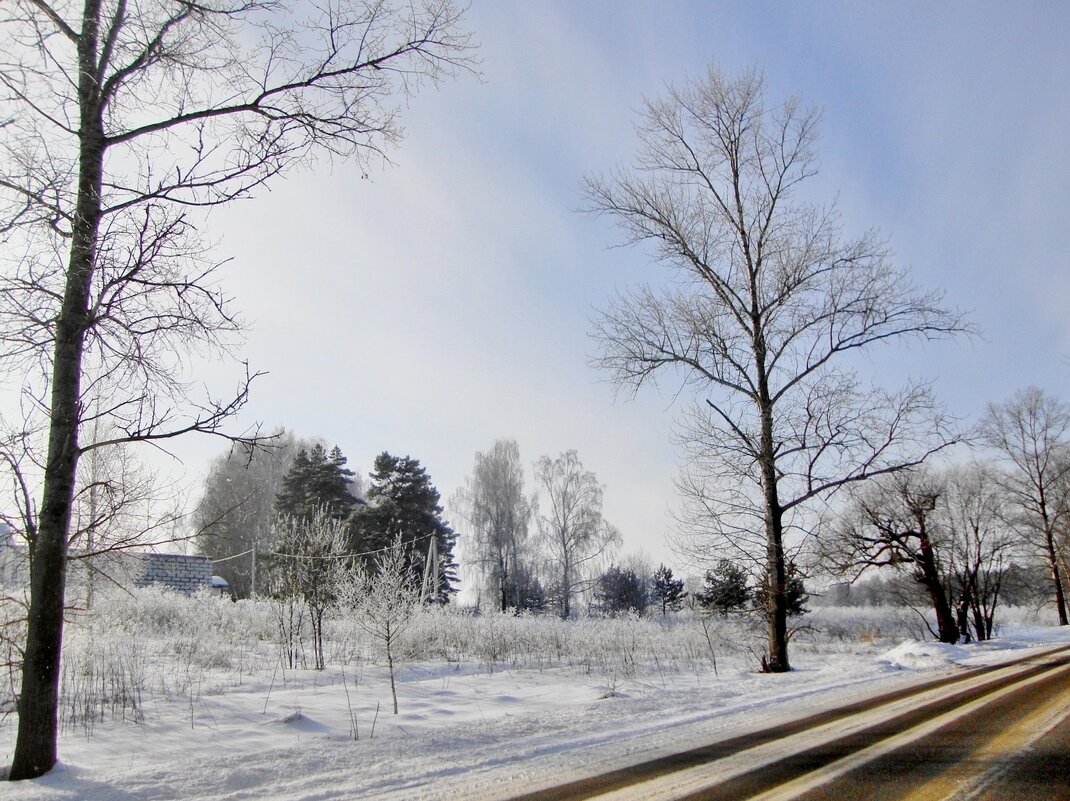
{"x":350,"y":555}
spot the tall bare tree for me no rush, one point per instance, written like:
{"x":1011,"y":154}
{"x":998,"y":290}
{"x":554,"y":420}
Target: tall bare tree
{"x":768,"y":303}
{"x":974,"y":506}
{"x":498,"y":512}
{"x":1031,"y":432}
{"x":120,"y":125}
{"x":572,"y":532}
{"x":235,"y":516}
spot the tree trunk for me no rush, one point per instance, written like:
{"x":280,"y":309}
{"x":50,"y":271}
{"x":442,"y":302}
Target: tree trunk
{"x":1053,"y":566}
{"x":566,"y":592}
{"x":982,"y":624}
{"x":776,"y":571}
{"x":776,"y":575}
{"x":390,"y":666}
{"x":35,"y":746}
{"x":35,"y":749}
{"x":946,"y":626}
{"x":962,"y":619}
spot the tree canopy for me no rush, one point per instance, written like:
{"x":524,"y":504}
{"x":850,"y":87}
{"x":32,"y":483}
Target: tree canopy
{"x":769,"y":300}
{"x":317,"y":480}
{"x":403,"y":507}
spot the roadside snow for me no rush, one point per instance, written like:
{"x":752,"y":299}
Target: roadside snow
{"x":463,"y":730}
{"x":924,"y":655}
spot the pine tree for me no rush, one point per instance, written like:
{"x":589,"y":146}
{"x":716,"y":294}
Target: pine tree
{"x":524,"y":587}
{"x":621,"y":590}
{"x":667,"y":591}
{"x":403,"y":503}
{"x":795,"y":594}
{"x":725,"y":588}
{"x":317,"y":480}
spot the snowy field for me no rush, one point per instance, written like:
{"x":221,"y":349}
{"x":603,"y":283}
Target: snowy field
{"x":174,"y":698}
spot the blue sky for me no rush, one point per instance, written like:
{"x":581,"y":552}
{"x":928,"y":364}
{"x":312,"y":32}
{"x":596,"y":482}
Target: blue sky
{"x":444,"y":302}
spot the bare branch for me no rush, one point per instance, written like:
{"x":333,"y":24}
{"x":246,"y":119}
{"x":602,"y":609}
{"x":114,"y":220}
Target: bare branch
{"x":770,"y":300}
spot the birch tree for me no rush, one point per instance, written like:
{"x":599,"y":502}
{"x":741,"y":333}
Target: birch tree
{"x":769,"y":300}
{"x":498,"y":511}
{"x":121,"y":124}
{"x":572,"y":532}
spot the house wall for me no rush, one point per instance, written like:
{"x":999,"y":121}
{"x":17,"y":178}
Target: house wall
{"x":186,"y":573}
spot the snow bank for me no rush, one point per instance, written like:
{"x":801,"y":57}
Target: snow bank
{"x":923,"y":656}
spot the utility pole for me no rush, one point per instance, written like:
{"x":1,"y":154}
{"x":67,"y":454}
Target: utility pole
{"x":429,"y":585}
{"x":252,"y":574}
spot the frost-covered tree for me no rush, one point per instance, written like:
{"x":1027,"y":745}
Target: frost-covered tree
{"x":572,"y":533}
{"x":384,"y":601}
{"x":234,"y":519}
{"x":309,"y":562}
{"x":498,"y":511}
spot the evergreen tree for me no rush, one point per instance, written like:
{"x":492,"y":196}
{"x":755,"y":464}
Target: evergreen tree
{"x":317,"y":480}
{"x":795,"y":594}
{"x":666,"y":590}
{"x":621,"y":590}
{"x":725,"y":588}
{"x":403,"y":503}
{"x":525,"y":587}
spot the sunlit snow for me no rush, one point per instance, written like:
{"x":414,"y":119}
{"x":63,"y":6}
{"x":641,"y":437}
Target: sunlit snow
{"x":488,"y":705}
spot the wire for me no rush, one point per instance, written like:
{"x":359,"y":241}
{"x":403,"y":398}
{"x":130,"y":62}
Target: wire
{"x":349,"y":555}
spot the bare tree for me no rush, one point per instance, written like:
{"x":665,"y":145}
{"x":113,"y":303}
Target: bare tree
{"x":1031,"y":432}
{"x":311,"y":559}
{"x":947,"y":529}
{"x":769,"y":302}
{"x":384,"y":601}
{"x":498,"y":511}
{"x":894,"y":522}
{"x":287,"y":604}
{"x":234,"y":518}
{"x":975,"y":507}
{"x":571,"y":529}
{"x":120,"y":503}
{"x":120,"y":125}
